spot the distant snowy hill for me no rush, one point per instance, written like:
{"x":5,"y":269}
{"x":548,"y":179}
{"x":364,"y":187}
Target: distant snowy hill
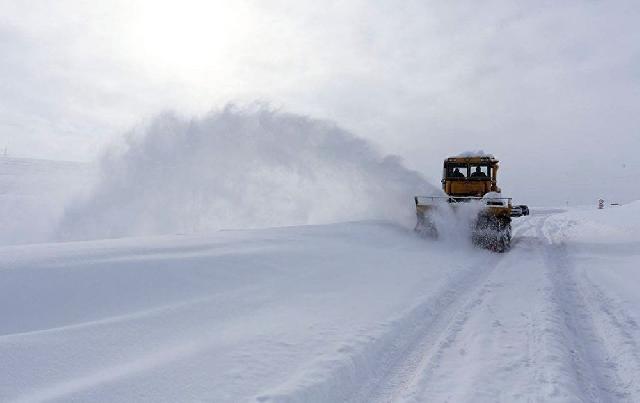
{"x":33,"y":194}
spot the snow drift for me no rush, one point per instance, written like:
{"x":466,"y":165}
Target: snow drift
{"x":240,"y":168}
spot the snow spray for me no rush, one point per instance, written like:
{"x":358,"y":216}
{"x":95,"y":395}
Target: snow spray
{"x":240,"y":168}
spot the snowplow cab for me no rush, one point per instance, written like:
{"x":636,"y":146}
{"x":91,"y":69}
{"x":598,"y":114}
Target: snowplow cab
{"x":470,"y":176}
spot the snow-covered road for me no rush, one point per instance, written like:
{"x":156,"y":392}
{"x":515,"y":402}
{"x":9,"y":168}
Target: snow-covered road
{"x":361,"y":312}
{"x":530,"y":326}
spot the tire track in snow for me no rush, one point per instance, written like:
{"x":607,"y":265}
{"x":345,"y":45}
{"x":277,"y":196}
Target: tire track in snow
{"x":423,"y":384}
{"x":409,"y":365}
{"x":595,"y":379}
{"x":386,"y":363}
{"x":414,"y":389}
{"x":423,"y":354}
{"x":616,"y":329}
{"x":615,"y":332}
{"x":578,"y":346}
{"x":567,"y":351}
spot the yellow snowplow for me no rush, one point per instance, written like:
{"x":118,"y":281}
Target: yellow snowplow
{"x":472,"y":180}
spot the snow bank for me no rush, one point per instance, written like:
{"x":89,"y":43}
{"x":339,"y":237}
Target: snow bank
{"x":613,"y":224}
{"x":241,"y":168}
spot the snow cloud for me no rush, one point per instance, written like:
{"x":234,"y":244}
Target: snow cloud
{"x":241,"y":168}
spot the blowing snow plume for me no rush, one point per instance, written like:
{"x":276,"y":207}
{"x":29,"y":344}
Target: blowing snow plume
{"x":241,"y":168}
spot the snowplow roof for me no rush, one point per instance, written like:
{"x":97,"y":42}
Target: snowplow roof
{"x":472,"y":160}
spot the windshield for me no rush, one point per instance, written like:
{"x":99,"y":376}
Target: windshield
{"x":457,"y":171}
{"x":480,"y":171}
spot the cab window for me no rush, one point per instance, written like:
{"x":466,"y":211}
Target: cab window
{"x":480,"y":171}
{"x":457,"y":171}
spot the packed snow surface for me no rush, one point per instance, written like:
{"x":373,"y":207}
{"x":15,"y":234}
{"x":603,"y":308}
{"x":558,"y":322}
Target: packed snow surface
{"x":359,"y":312}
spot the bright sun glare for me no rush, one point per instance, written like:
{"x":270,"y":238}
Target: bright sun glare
{"x":186,"y":37}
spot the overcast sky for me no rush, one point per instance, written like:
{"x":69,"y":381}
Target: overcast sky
{"x":552,"y":88}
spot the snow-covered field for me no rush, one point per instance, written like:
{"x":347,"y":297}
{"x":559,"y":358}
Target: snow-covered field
{"x":355,"y":311}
